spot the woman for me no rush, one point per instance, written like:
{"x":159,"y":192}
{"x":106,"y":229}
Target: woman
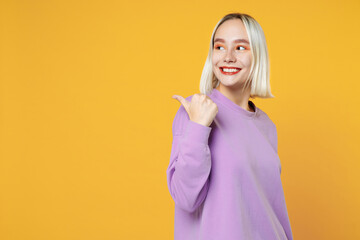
{"x":224,"y":171}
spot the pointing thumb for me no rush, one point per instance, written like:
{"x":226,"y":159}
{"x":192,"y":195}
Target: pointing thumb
{"x":183,"y":102}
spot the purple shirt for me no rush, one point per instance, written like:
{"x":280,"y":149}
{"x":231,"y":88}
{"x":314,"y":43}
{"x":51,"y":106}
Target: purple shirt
{"x":225,"y":179}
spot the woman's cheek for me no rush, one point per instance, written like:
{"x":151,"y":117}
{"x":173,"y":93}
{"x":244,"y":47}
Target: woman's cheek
{"x":249,"y":59}
{"x":215,"y":59}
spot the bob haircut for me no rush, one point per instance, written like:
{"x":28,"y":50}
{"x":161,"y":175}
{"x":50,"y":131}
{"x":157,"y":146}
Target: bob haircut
{"x":259,"y":72}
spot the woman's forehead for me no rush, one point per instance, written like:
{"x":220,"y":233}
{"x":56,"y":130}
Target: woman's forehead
{"x":232,"y":27}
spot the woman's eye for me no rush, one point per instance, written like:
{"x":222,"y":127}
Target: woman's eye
{"x":241,"y":47}
{"x":217,"y":47}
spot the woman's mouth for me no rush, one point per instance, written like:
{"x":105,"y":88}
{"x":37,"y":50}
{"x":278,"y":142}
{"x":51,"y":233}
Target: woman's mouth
{"x":229,"y":70}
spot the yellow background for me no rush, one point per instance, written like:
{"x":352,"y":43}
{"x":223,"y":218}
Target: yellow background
{"x":86,"y":112}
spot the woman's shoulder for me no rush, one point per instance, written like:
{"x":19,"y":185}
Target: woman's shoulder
{"x":268,"y":127}
{"x":264,"y":117}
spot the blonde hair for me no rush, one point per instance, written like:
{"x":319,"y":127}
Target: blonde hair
{"x":259,"y":72}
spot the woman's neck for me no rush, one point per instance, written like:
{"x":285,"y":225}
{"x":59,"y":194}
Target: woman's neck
{"x":238,"y":96}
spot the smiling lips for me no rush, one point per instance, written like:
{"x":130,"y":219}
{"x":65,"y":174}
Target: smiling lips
{"x":229,"y":70}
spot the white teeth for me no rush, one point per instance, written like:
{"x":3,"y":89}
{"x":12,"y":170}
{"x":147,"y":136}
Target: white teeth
{"x":230,"y":70}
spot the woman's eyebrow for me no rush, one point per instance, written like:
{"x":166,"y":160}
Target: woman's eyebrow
{"x":242,"y":40}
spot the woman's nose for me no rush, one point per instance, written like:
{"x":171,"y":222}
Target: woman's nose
{"x":229,"y":57}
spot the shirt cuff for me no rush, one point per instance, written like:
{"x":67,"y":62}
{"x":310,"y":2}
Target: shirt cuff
{"x":197,"y":132}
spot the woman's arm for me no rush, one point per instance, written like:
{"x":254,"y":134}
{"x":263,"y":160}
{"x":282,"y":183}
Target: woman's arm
{"x":190,"y":162}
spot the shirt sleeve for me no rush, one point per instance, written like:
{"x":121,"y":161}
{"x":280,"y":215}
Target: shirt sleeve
{"x":275,"y":143}
{"x":275,"y":138}
{"x":190,"y":162}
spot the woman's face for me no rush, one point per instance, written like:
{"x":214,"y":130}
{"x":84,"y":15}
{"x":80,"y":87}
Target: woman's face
{"x":231,"y":59}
